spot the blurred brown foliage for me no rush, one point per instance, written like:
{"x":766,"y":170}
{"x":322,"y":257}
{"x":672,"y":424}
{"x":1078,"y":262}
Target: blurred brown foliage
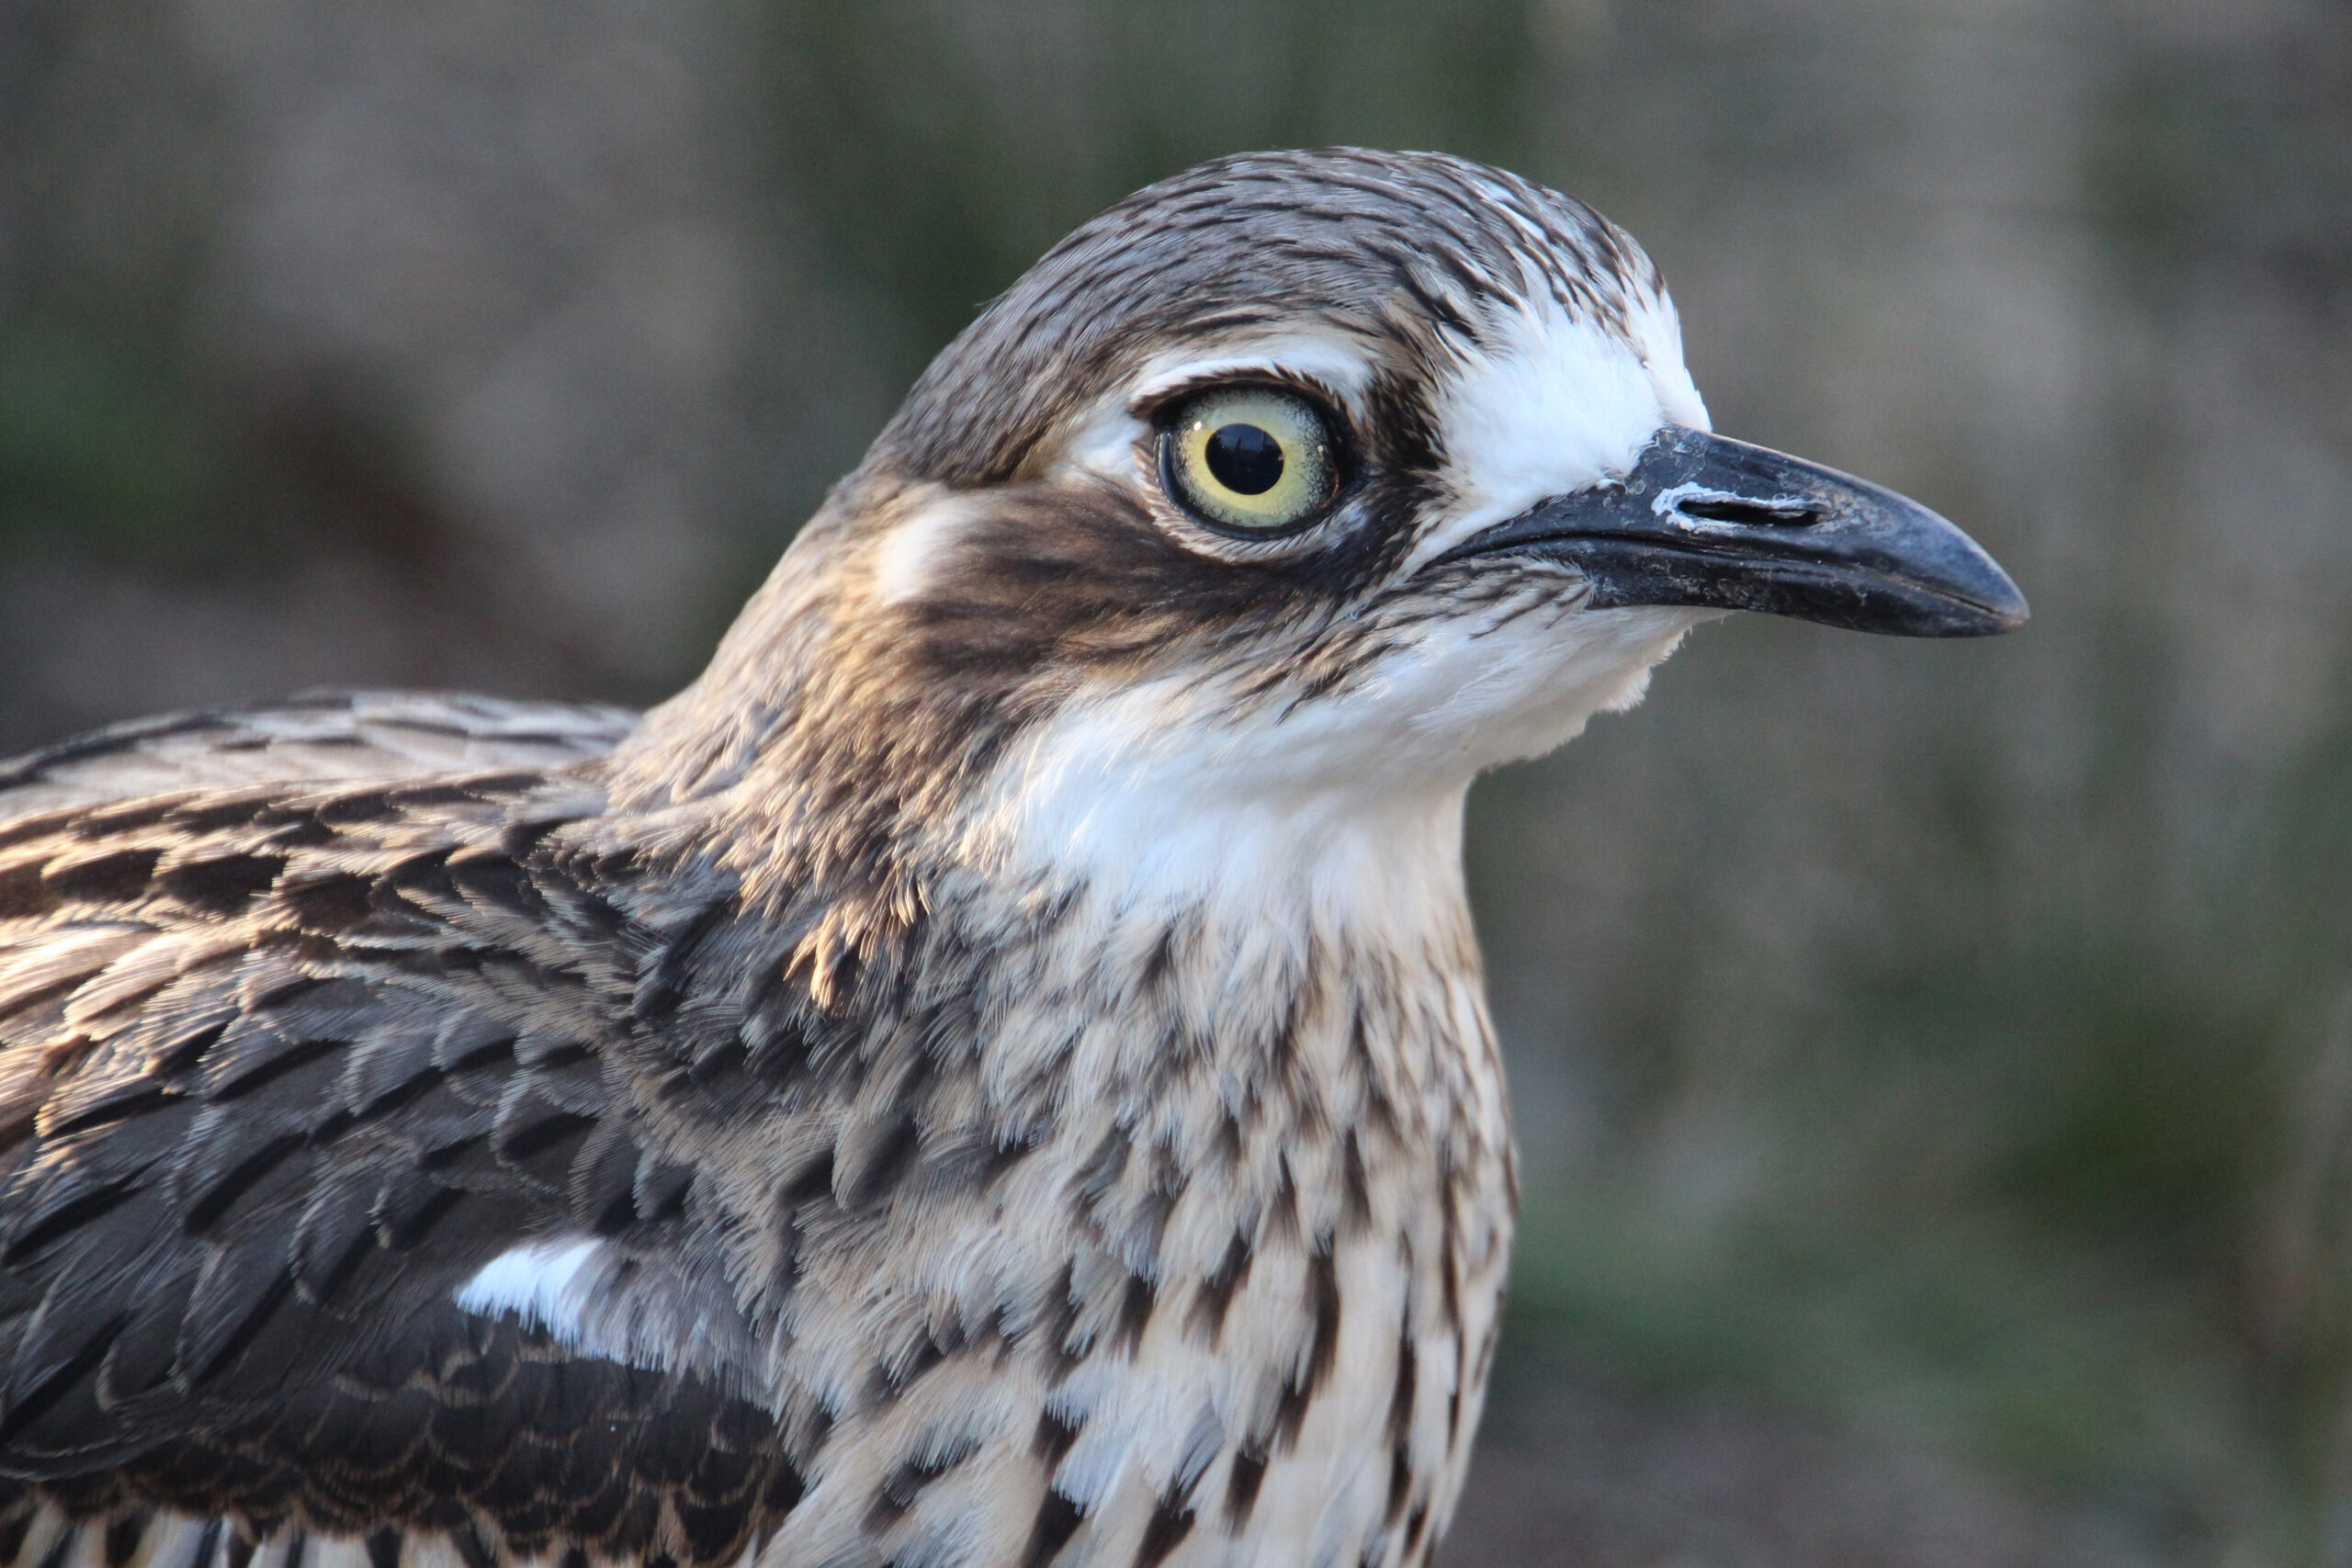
{"x":1934,"y":1063}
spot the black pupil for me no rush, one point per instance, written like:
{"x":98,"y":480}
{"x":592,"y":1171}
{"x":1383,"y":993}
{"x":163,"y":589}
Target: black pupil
{"x":1245,"y":459}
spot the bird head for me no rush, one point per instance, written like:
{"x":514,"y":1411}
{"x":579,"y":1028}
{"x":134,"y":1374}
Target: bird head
{"x":1321,"y":476}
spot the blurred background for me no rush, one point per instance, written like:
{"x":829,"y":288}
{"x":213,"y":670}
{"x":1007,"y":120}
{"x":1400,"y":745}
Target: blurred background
{"x":1934,"y":1062}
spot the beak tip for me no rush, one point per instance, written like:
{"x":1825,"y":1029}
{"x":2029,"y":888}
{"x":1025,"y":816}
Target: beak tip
{"x":1960,"y":591}
{"x":2001,"y":608}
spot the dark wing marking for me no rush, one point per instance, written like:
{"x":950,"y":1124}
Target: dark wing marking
{"x":279,"y":1072}
{"x":314,"y":739}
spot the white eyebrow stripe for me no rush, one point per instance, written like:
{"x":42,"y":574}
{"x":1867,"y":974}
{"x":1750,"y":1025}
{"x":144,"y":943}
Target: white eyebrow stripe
{"x":1337,"y":361}
{"x":1107,"y":443}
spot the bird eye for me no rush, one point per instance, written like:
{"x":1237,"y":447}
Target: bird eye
{"x":1250,"y":459}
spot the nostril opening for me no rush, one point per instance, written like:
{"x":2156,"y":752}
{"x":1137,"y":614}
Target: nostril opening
{"x":1751,"y":515}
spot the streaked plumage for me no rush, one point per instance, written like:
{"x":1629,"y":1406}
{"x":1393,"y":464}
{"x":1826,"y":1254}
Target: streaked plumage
{"x":996,"y":1071}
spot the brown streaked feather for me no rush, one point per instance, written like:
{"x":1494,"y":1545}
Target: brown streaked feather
{"x":317,"y":738}
{"x":249,"y":1146}
{"x":883,"y":1153}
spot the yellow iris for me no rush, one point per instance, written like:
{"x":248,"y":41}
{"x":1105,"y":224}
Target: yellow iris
{"x":1251,"y":459}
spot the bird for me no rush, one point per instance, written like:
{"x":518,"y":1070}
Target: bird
{"x":996,"y":1072}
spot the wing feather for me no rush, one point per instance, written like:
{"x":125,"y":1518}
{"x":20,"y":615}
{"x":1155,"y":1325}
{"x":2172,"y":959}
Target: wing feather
{"x":317,"y":738}
{"x":283,"y":1065}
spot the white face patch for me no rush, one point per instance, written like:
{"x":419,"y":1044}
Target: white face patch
{"x":1556,"y":405}
{"x":1657,"y":331}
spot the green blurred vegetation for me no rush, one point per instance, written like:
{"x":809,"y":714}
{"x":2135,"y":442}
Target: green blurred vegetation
{"x":94,"y":442}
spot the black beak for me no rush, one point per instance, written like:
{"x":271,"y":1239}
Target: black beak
{"x":1702,"y":520}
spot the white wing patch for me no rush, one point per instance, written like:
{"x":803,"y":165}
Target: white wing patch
{"x":540,"y":1283}
{"x":591,"y":1298}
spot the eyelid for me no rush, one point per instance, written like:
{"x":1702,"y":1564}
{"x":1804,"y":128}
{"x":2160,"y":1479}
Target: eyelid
{"x":1152,"y":402}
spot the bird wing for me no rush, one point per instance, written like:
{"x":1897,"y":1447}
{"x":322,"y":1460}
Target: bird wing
{"x":317,"y":737}
{"x":285,"y":1074}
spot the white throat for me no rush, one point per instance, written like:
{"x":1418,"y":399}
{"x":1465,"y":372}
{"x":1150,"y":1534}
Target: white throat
{"x":1156,"y":819}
